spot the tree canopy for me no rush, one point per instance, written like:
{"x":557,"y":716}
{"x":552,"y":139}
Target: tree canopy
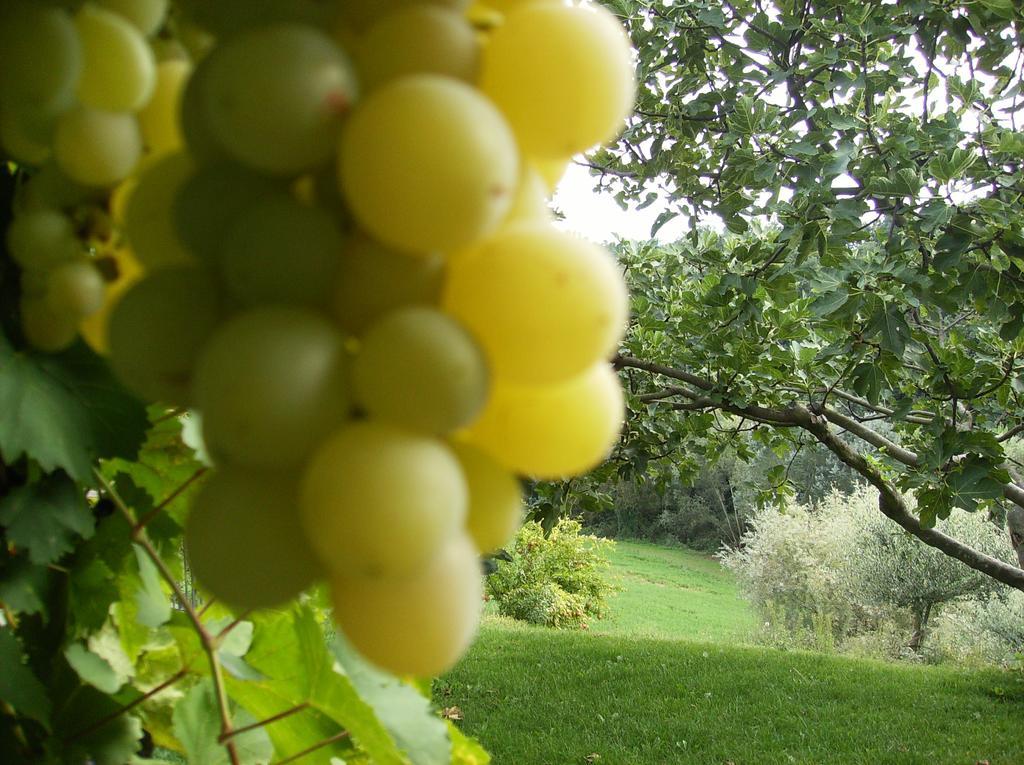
{"x":850,"y":176}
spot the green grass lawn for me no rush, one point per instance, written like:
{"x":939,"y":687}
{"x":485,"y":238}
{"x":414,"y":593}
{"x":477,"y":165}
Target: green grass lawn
{"x":669,"y":592}
{"x":637,"y":689}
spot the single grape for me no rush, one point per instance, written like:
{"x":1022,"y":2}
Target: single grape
{"x":428,"y":164}
{"x":202,"y":144}
{"x":46,"y":329}
{"x":562,"y":75}
{"x":281,"y":251}
{"x":146,"y":15}
{"x":244,"y":540}
{"x":40,"y":56}
{"x":148,"y":214}
{"x":41,"y":239}
{"x":271,"y":385}
{"x":418,"y":39}
{"x":97,"y":148}
{"x":75,"y":288}
{"x":420,"y":369}
{"x":379,"y":501}
{"x":211,"y":201}
{"x":24,"y":136}
{"x":419,"y":625}
{"x":120,"y":270}
{"x":530,"y":203}
{"x":274,"y":97}
{"x":495,"y":499}
{"x":119,"y":70}
{"x":552,"y":431}
{"x":226,"y":18}
{"x":544,"y":304}
{"x":160,"y":118}
{"x":374,"y":279}
{"x":157,"y":330}
{"x":51,"y":189}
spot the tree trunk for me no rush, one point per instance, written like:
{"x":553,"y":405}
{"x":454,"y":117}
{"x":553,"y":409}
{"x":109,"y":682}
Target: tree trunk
{"x":921,"y":614}
{"x":1015,"y":525}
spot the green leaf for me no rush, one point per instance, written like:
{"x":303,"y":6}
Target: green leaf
{"x":290,"y":652}
{"x":65,"y":410}
{"x":867,"y":381}
{"x":154,"y":605}
{"x":112,"y":743}
{"x":18,"y":686}
{"x":892,"y":328}
{"x":197,"y":727}
{"x":419,"y":732}
{"x":466,"y":751}
{"x":46,"y":517}
{"x":25,"y":586}
{"x":92,"y":669}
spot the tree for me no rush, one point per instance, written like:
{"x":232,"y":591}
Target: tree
{"x":863,"y":164}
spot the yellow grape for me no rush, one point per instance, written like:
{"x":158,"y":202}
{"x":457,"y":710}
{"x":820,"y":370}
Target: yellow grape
{"x":97,"y":148}
{"x":562,"y":75}
{"x":418,"y":39}
{"x":244,"y":540}
{"x":274,"y":97}
{"x":420,"y":369}
{"x":121,"y":270}
{"x":46,"y":329}
{"x":544,"y":304}
{"x":427,"y":164}
{"x":146,"y":15}
{"x":552,"y":431}
{"x":40,"y":56}
{"x":157,"y":330}
{"x":374,"y":279}
{"x":148,"y":217}
{"x":530,"y":203}
{"x":160,"y":119}
{"x":40,"y":239}
{"x":551,"y":170}
{"x":419,"y":625}
{"x":119,"y":70}
{"x":379,"y":501}
{"x":270,"y":384}
{"x":495,"y":499}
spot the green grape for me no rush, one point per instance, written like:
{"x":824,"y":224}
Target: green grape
{"x":562,"y":75}
{"x":40,"y":56}
{"x":281,"y":251}
{"x":148,"y":219}
{"x":41,"y":239}
{"x":50,"y":189}
{"x":157,"y":330}
{"x":211,"y":201}
{"x":418,"y":39}
{"x":97,"y":148}
{"x":552,"y":431}
{"x":428,"y":164}
{"x":378,"y":500}
{"x":160,"y":118}
{"x":76,"y":288}
{"x":495,"y":499}
{"x":202,"y":144}
{"x":46,"y":329}
{"x":274,"y":97}
{"x":374,"y":279}
{"x":419,"y":625}
{"x":271,"y":385}
{"x":544,"y":304}
{"x":119,"y":70}
{"x":244,"y":540}
{"x":225,"y":18}
{"x":353,"y":19}
{"x":419,"y":368}
{"x":24,"y":136}
{"x":146,"y":15}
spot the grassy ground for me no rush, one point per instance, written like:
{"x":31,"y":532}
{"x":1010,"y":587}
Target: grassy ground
{"x":670,"y":592}
{"x":633,"y":693}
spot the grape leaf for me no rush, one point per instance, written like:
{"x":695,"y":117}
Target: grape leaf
{"x":24,"y":586}
{"x":65,"y":410}
{"x":112,"y":743}
{"x":92,"y":669}
{"x":197,"y":727}
{"x":406,"y":713}
{"x":45,"y":517}
{"x":153,"y":603}
{"x":18,"y":686}
{"x":289,"y":650}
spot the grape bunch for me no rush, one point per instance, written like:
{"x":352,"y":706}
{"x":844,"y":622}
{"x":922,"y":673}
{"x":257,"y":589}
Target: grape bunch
{"x":323,"y":226}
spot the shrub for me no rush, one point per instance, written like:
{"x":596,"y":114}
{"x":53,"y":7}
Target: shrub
{"x":556,"y":581}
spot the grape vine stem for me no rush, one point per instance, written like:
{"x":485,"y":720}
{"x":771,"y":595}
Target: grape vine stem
{"x":209,"y":642}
